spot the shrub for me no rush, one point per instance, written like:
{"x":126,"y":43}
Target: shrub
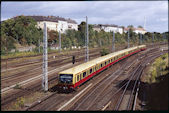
{"x":104,"y":51}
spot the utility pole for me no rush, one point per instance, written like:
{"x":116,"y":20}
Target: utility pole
{"x":45,"y":60}
{"x":87,"y":41}
{"x":144,"y":22}
{"x":100,"y":42}
{"x":128,"y":39}
{"x":39,"y":44}
{"x":59,"y":41}
{"x":164,"y":36}
{"x":113,"y":44}
{"x":141,"y":38}
{"x":6,"y":54}
{"x":153,"y":39}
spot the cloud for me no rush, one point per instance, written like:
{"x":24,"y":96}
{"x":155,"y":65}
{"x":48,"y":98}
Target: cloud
{"x":99,"y":12}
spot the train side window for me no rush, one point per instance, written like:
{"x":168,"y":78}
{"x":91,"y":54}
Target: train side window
{"x":95,"y":68}
{"x":109,"y":61}
{"x":84,"y":74}
{"x":101,"y":65}
{"x":105,"y":63}
{"x":91,"y":70}
{"x":77,"y":78}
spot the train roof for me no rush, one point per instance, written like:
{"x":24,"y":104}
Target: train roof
{"x":79,"y":68}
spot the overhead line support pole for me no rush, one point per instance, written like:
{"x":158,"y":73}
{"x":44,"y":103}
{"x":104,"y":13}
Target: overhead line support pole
{"x":128,"y":39}
{"x":45,"y":60}
{"x":153,"y":39}
{"x":87,"y":41}
{"x":113,"y":43}
{"x":60,"y":46}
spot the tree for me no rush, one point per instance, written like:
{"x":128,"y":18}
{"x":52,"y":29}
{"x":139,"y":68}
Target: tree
{"x":21,"y":30}
{"x":130,"y":26}
{"x":140,"y":26}
{"x":53,"y":37}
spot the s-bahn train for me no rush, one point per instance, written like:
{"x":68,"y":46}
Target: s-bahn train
{"x":72,"y":78}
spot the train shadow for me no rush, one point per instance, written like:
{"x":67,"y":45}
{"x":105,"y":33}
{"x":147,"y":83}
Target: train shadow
{"x":60,"y":91}
{"x":152,"y":96}
{"x":122,"y":84}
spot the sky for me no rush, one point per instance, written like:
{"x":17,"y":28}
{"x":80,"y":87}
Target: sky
{"x":122,"y":13}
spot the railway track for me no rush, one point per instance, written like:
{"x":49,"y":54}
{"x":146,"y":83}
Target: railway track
{"x":36,"y":85}
{"x":17,"y":77}
{"x":39,"y":106}
{"x":38,"y":60}
{"x":54,"y":105}
{"x":137,"y":73}
{"x":88,"y":101}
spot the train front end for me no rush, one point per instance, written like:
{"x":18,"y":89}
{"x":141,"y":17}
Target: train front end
{"x":65,"y":82}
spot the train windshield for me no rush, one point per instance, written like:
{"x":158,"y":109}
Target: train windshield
{"x":66,"y":78}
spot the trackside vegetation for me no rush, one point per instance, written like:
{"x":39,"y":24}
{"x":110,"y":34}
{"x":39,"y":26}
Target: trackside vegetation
{"x":23,"y":31}
{"x":157,"y":84}
{"x":158,"y":68}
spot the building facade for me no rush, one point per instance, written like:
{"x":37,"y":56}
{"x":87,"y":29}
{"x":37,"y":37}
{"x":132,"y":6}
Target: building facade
{"x":55,"y":23}
{"x":140,"y":30}
{"x":136,"y":30}
{"x":108,"y":28}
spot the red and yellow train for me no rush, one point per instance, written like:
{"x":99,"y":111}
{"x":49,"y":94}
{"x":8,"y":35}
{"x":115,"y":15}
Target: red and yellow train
{"x":75,"y":76}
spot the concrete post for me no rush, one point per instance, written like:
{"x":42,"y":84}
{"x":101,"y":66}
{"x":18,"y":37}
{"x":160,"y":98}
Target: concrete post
{"x":45,"y":60}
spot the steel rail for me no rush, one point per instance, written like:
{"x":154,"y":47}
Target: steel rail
{"x":132,"y":75}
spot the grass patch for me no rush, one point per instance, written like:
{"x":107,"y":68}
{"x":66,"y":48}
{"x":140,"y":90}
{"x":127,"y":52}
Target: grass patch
{"x":158,"y":68}
{"x":17,"y":86}
{"x":20,"y":103}
{"x":157,"y":84}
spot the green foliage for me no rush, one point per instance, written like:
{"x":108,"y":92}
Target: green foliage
{"x":23,"y":30}
{"x":130,"y":26}
{"x":159,"y":68}
{"x":104,"y":51}
{"x":36,"y":49}
{"x":140,"y":26}
{"x":20,"y":30}
{"x":20,"y":102}
{"x":17,"y":86}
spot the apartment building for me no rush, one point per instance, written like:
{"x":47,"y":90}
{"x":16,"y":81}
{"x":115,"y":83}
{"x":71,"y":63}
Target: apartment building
{"x":55,"y":23}
{"x":108,"y":28}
